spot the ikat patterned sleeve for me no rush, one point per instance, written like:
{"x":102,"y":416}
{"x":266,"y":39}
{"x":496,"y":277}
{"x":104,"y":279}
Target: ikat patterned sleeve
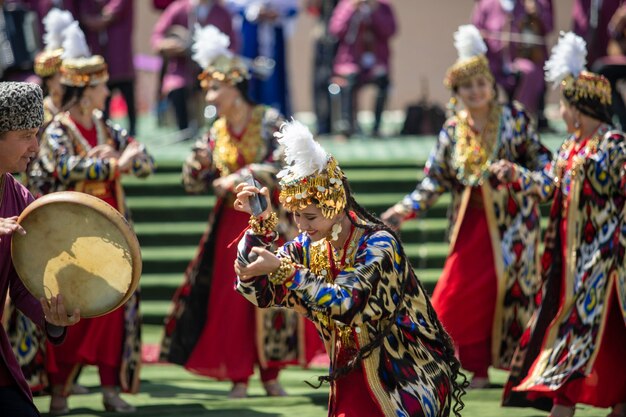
{"x":58,"y":156}
{"x":532,"y":158}
{"x":361,"y":293}
{"x":143,"y":164}
{"x":617,"y":161}
{"x":437,"y":180}
{"x":197,"y":176}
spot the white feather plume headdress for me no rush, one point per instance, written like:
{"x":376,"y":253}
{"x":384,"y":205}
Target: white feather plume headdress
{"x":211,"y":53}
{"x":471,"y":49}
{"x":74,"y":44}
{"x":303,"y":154}
{"x":55,"y":23}
{"x":48,"y":62}
{"x":469,"y":42}
{"x":208,"y":44}
{"x":568,"y":57}
{"x":79,"y":67}
{"x":311,"y":175}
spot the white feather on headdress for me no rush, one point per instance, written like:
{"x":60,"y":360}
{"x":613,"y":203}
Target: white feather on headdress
{"x":209,"y":43}
{"x":55,"y":23}
{"x":568,"y":57}
{"x":304,"y":156}
{"x":74,"y":44}
{"x":468,"y":42}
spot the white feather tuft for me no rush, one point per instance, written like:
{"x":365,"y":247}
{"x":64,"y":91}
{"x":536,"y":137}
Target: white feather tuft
{"x":74,"y":44}
{"x":55,"y":23}
{"x":468,"y":42}
{"x":304,"y":156}
{"x":209,"y":43}
{"x":568,"y":56}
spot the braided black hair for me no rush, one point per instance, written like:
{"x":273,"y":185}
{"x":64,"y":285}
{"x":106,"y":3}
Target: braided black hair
{"x":458,"y":379}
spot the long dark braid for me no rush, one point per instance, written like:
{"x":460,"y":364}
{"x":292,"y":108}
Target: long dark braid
{"x":458,"y":379}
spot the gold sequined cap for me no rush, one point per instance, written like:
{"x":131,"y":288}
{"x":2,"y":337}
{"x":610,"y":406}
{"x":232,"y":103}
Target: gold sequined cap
{"x":83,"y":72}
{"x":590,"y":93}
{"x":465,"y":69}
{"x":324,"y":189}
{"x":230,"y":70}
{"x":48,"y":62}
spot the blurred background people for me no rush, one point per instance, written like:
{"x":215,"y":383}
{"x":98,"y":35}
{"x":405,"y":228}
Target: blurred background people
{"x":172,"y":38}
{"x":363,"y":29}
{"x":108,"y":27}
{"x":515,"y":32}
{"x":325,"y":47}
{"x":264,"y":27}
{"x":602,"y":24}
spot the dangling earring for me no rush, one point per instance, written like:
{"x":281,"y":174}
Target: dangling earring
{"x":334,"y":235}
{"x":451,"y":107}
{"x":577,"y":128}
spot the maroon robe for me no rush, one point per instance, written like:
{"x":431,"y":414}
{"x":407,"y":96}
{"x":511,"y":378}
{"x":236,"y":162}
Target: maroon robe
{"x":15,"y":199}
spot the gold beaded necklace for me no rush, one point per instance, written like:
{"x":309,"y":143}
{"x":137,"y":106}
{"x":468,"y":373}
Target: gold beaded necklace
{"x":473,"y":151}
{"x":321,"y":253}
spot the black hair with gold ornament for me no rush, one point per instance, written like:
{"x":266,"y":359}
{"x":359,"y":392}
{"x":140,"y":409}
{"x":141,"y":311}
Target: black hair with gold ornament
{"x":588,"y":92}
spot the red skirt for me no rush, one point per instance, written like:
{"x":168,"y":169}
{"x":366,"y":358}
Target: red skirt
{"x":96,"y":341}
{"x":465,"y":295}
{"x":227,"y":347}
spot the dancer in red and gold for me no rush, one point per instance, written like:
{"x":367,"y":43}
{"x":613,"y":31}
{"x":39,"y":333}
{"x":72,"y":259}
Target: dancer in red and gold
{"x":490,"y":159}
{"x":574,"y":349}
{"x":212,"y":331}
{"x":80,"y":151}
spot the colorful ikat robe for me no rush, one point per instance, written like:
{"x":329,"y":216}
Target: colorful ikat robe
{"x":512,"y":215}
{"x":407,"y":374}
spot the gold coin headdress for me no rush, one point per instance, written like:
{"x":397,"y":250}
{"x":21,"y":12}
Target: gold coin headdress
{"x":472,"y":61}
{"x":590,"y":93}
{"x":311,"y":176}
{"x":79,"y":67}
{"x":48,"y":61}
{"x":211,"y":53}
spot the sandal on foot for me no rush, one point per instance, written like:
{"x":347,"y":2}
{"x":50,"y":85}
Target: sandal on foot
{"x":274,"y":389}
{"x":239,"y":390}
{"x":114,"y":403}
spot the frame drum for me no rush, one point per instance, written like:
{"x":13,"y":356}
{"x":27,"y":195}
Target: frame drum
{"x":80,"y":247}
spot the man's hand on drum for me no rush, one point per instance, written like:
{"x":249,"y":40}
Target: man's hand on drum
{"x":244,"y":192}
{"x":9,"y":226}
{"x":55,"y":313}
{"x":265,"y":263}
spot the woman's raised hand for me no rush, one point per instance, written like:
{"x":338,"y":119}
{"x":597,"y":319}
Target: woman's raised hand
{"x":9,"y":225}
{"x":244,"y":192}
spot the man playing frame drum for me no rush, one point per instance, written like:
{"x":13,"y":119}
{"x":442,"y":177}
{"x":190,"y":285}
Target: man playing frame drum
{"x":21,"y":115}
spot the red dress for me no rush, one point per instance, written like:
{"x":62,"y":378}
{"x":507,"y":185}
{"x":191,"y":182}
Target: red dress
{"x":465,"y":295}
{"x":97,"y":341}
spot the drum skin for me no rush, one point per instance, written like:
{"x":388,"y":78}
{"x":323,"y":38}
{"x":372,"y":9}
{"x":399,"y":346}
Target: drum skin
{"x":80,"y":247}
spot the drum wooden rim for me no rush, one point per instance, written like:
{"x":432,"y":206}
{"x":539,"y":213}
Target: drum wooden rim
{"x":104,"y":209}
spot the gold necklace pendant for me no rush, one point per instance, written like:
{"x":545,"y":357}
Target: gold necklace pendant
{"x":473,"y":152}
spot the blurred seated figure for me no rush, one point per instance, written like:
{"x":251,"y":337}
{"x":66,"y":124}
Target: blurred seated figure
{"x":172,"y":37}
{"x":603,"y":26}
{"x":515,"y":34}
{"x":363,"y":29}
